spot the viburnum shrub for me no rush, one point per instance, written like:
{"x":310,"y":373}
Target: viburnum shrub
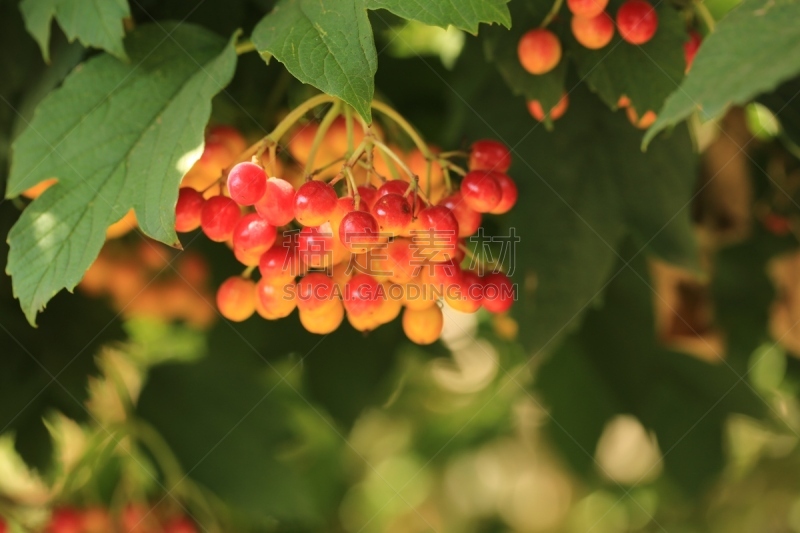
{"x":359,"y":243}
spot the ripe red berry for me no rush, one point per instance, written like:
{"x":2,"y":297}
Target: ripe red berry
{"x":539,"y":51}
{"x":277,"y":204}
{"x":394,"y":187}
{"x":363,"y":295}
{"x":247,"y":183}
{"x":252,"y":236}
{"x":637,"y":21}
{"x":468,"y":219}
{"x":498,"y":292}
{"x":481,"y":191}
{"x":690,"y":48}
{"x":275,"y":300}
{"x":393,"y":214}
{"x":359,"y":231}
{"x":314,"y":203}
{"x":488,"y":154}
{"x":315,"y":291}
{"x":465,"y":293}
{"x":279,"y":263}
{"x":315,"y":245}
{"x":188,"y":210}
{"x":180,"y":525}
{"x":437,"y":231}
{"x":587,"y":8}
{"x":368,"y":194}
{"x":236,"y":298}
{"x":65,"y":520}
{"x":219,"y":217}
{"x":536,"y":111}
{"x":593,"y":32}
{"x":509,"y":194}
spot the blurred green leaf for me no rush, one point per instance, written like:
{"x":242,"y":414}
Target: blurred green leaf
{"x":465,"y":15}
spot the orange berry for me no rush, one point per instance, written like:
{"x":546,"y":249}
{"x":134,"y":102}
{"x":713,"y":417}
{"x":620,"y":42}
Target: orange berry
{"x":424,"y":326}
{"x":593,"y":32}
{"x":236,"y":298}
{"x":587,"y":8}
{"x":539,"y":51}
{"x":325,"y":320}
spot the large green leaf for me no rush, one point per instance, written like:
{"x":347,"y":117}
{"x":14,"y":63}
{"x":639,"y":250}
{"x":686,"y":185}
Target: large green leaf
{"x":465,"y":14}
{"x":97,"y":24}
{"x":113,"y":135}
{"x":328,"y":45}
{"x":754,"y":48}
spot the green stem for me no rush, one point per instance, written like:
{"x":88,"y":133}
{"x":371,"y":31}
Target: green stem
{"x":348,"y":120}
{"x":708,"y":19}
{"x":330,"y":116}
{"x":405,"y":125}
{"x":245,"y":47}
{"x":170,"y":467}
{"x":296,"y":114}
{"x":399,"y":162}
{"x":552,"y":13}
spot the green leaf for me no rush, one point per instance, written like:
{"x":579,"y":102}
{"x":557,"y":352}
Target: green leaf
{"x":753,"y":49}
{"x":328,"y":45}
{"x":500,"y":48}
{"x":114,"y":135}
{"x":465,"y":14}
{"x":97,"y":24}
{"x":786,"y":107}
{"x":646,"y":74}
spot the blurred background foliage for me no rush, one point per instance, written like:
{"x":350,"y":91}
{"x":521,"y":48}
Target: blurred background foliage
{"x":668,"y":402}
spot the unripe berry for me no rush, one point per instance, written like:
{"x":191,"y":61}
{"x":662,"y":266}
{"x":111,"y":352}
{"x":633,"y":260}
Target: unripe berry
{"x":277,"y":204}
{"x":424,"y":326}
{"x":536,"y":111}
{"x":324,"y":321}
{"x":539,"y":51}
{"x":314,"y":203}
{"x":252,"y":236}
{"x":188,"y":210}
{"x":593,"y":32}
{"x":637,"y":21}
{"x":481,"y":191}
{"x":236,"y":299}
{"x":509,"y":194}
{"x":247,"y":183}
{"x":219,"y":217}
{"x":488,"y":154}
{"x":587,"y":8}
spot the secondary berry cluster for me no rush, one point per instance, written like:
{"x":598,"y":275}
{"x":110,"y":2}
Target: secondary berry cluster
{"x":132,"y":519}
{"x":539,"y":50}
{"x":369,"y":233}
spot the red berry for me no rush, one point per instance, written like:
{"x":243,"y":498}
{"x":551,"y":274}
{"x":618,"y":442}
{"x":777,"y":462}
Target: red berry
{"x":252,"y":236}
{"x":536,"y":111}
{"x":468,"y":219}
{"x":363,"y":295}
{"x":180,"y":525}
{"x":315,"y":245}
{"x":3,"y":525}
{"x":393,"y":213}
{"x":539,"y":51}
{"x":593,"y":32}
{"x":65,"y":520}
{"x":587,"y":8}
{"x":275,"y":300}
{"x":188,"y":210}
{"x":509,"y":194}
{"x":277,"y":204}
{"x":247,"y":183}
{"x":359,"y":231}
{"x":219,"y":217}
{"x":279,"y":263}
{"x":637,"y":21}
{"x":314,"y":203}
{"x":229,"y":136}
{"x":236,"y":298}
{"x":488,"y":154}
{"x":498,"y":292}
{"x":465,"y":293}
{"x":437,"y":231}
{"x":394,"y":187}
{"x":690,"y":48}
{"x":481,"y":191}
{"x":314,"y":291}
{"x":368,"y":194}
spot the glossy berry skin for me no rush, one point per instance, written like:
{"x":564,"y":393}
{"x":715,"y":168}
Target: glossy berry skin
{"x":468,"y":219}
{"x":690,"y":48}
{"x":509,"y":194}
{"x":536,"y":111}
{"x":488,"y":154}
{"x":279,"y":263}
{"x":423,"y":326}
{"x":188,"y":210}
{"x":593,"y":32}
{"x":437,"y":233}
{"x":314,"y":203}
{"x":315,"y":246}
{"x":395,"y":187}
{"x":368,"y":195}
{"x":236,"y":299}
{"x":275,"y":300}
{"x":587,"y":8}
{"x":539,"y":51}
{"x":498,"y":292}
{"x":392,"y":213}
{"x":247,"y":183}
{"x":465,"y":294}
{"x":362,"y":295}
{"x":359,"y":231}
{"x":481,"y":191}
{"x":315,"y":291}
{"x":637,"y":21}
{"x":277,"y":204}
{"x":219,"y":217}
{"x":252,"y":236}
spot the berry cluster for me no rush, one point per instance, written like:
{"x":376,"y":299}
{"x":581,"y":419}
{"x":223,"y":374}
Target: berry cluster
{"x":140,"y":282}
{"x":384,"y":231}
{"x":132,"y":519}
{"x":539,"y":50}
